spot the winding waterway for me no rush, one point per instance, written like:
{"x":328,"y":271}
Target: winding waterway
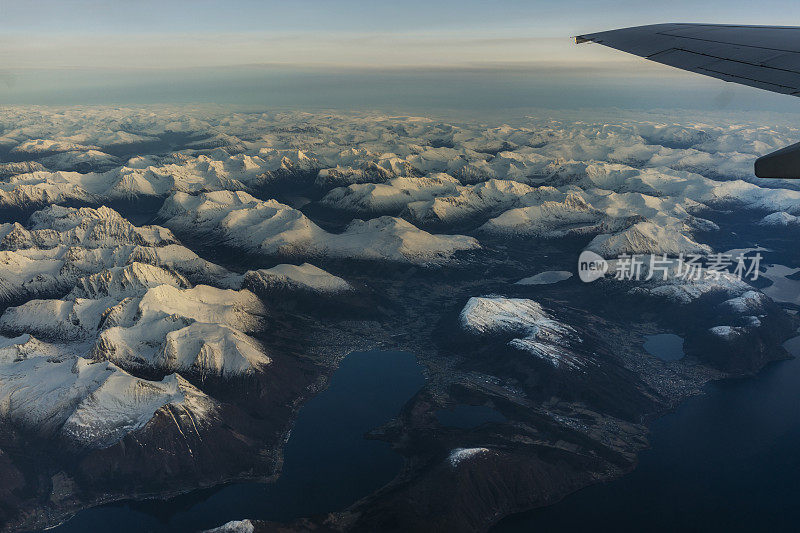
{"x":328,"y":462}
{"x":726,"y":461}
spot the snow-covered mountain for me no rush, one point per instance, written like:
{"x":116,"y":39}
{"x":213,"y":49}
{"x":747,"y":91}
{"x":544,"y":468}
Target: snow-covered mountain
{"x":20,"y":167}
{"x":433,"y":173}
{"x":52,"y":392}
{"x":667,"y":283}
{"x":305,"y":277}
{"x":200,"y":330}
{"x":130,"y":280}
{"x":549,"y":219}
{"x":479,"y":201}
{"x":91,"y":176}
{"x":272,"y":228}
{"x":735,"y":300}
{"x":389,"y":197}
{"x":39,"y":146}
{"x":540,"y":334}
{"x":646,"y":238}
{"x":780,"y":219}
{"x":60,"y":245}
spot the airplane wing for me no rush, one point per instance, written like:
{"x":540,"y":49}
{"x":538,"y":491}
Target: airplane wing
{"x":766,"y":57}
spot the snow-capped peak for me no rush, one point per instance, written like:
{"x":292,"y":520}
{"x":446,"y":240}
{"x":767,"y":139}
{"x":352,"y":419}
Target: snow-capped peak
{"x":542,"y":335}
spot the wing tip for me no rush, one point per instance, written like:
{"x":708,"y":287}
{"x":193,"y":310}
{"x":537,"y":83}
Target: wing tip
{"x":783,"y":164}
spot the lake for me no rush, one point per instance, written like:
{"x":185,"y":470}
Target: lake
{"x":783,"y":288}
{"x":665,"y":346}
{"x":328,"y":462}
{"x":726,"y":461}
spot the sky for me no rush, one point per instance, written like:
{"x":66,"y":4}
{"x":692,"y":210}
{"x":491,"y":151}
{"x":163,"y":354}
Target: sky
{"x":85,"y":51}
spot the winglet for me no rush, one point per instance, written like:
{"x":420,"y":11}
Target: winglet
{"x":783,"y":164}
{"x":580,"y":39}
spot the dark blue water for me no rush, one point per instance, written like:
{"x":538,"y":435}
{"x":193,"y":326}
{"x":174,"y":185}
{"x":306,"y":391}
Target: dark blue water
{"x":468,"y":416}
{"x":665,"y":346}
{"x":728,"y":461}
{"x":328,"y":462}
